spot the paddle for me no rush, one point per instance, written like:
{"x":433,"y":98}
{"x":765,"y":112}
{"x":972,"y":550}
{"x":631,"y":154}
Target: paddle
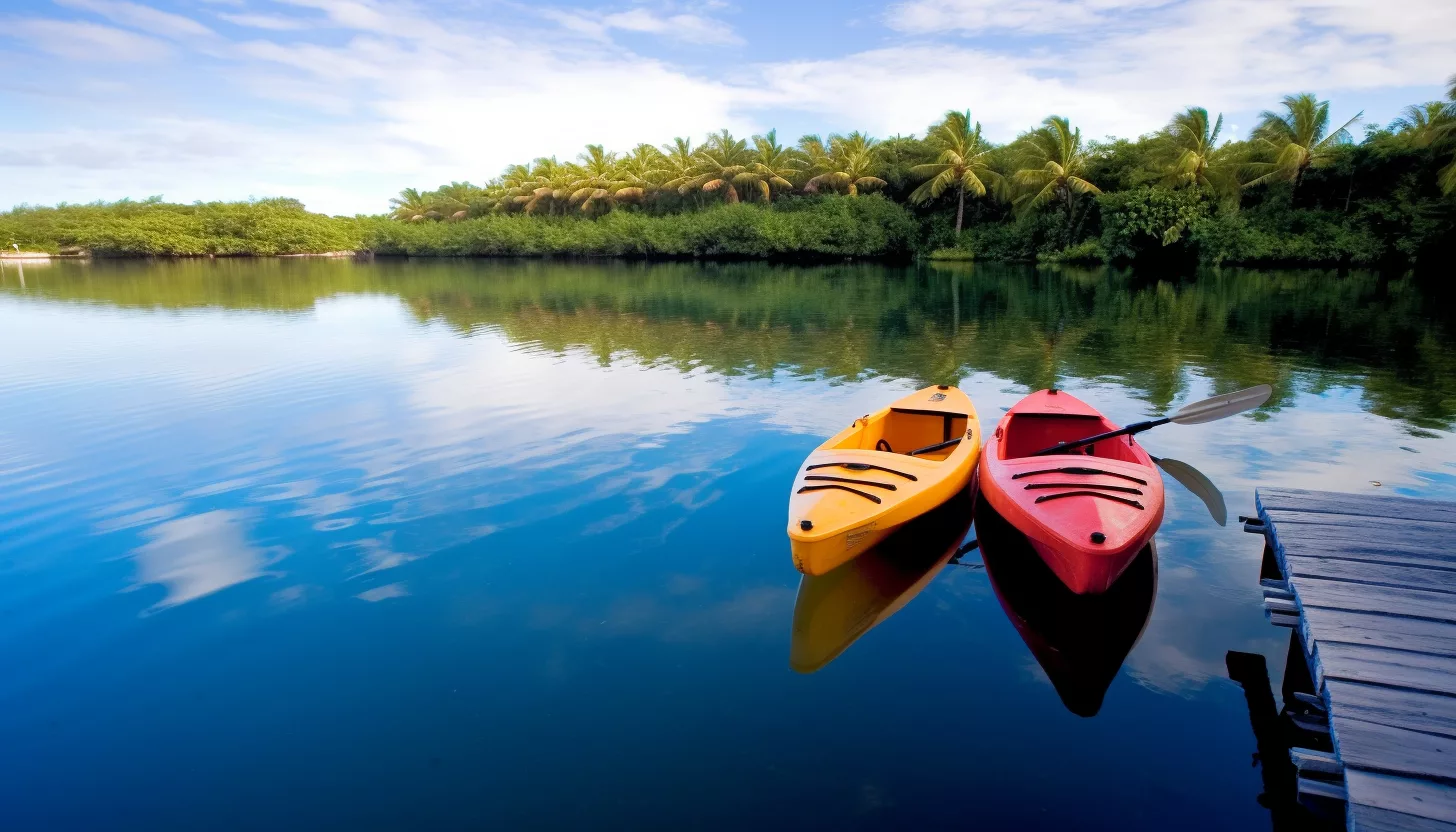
{"x":1201,"y":486}
{"x":1208,"y":410}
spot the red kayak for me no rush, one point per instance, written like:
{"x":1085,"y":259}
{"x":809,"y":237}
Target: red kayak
{"x":1087,"y":511}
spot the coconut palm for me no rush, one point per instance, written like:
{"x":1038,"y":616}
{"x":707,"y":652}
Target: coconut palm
{"x":849,"y":167}
{"x":1191,"y":155}
{"x":1297,"y":139}
{"x":720,"y":162}
{"x":453,"y":198}
{"x":1426,"y":124}
{"x":774,"y":166}
{"x":1051,"y":165}
{"x":597,"y":180}
{"x":547,"y":188}
{"x":963,"y":162}
{"x":815,"y":153}
{"x":1451,"y":88}
{"x":409,"y":205}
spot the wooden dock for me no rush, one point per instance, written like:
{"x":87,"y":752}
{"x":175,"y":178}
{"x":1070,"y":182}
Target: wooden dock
{"x":1369,"y":585}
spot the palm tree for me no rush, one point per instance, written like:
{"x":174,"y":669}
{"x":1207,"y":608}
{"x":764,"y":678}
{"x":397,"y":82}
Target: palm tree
{"x":597,"y":180}
{"x":815,"y":153}
{"x":1192,"y":156}
{"x":720,"y":162}
{"x":963,"y":162}
{"x":1051,"y":164}
{"x":1426,"y":124}
{"x":547,"y":187}
{"x":1298,"y":139}
{"x":849,"y":166}
{"x":409,"y":205}
{"x":1451,"y":88}
{"x":774,"y":166}
{"x":453,"y":198}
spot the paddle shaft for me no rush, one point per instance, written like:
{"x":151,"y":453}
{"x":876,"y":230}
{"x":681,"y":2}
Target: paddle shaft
{"x":1137,"y":427}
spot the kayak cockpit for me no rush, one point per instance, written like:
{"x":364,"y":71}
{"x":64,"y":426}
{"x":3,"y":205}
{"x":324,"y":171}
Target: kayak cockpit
{"x":925,"y":434}
{"x":1027,"y":433}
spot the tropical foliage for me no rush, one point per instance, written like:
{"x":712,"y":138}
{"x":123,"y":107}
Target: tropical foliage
{"x":1298,"y":189}
{"x":1297,"y":139}
{"x":962,"y":162}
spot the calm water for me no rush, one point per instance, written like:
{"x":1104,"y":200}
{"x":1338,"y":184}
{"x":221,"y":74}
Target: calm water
{"x":494,"y":545}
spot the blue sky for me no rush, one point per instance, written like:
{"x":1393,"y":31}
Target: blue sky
{"x":341,"y":103}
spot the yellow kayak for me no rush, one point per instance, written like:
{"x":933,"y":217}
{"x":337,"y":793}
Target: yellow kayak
{"x":879,"y":473}
{"x":834,"y":610}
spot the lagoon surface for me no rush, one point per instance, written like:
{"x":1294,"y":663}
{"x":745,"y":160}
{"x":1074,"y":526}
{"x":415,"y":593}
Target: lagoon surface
{"x":472,"y":544}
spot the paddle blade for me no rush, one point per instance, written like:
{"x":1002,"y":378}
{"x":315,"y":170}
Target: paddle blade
{"x":1220,"y":407}
{"x":1203,"y":487}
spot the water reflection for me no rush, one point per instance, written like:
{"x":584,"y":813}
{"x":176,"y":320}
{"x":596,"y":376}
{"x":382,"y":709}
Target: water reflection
{"x":199,"y":554}
{"x":1079,"y":640}
{"x":835,"y":609}
{"x":1032,"y":326}
{"x":533,"y":515}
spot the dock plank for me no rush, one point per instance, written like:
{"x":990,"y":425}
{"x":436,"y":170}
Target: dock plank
{"x":1362,"y":818}
{"x":1393,"y":668}
{"x":1418,"y":635}
{"x":1374,"y":581}
{"x":1415,"y":710}
{"x":1381,"y":574}
{"x":1361,"y":505}
{"x":1392,"y":750}
{"x":1361,"y":549}
{"x":1421,"y":798}
{"x":1342,"y":595}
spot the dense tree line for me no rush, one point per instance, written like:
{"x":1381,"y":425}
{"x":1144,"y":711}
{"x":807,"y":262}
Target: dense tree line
{"x":1298,"y":189}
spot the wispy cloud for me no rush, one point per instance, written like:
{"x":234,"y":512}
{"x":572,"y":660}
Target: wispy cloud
{"x":343,"y":102}
{"x":80,"y":41}
{"x":689,"y":28}
{"x":274,"y":23}
{"x":145,"y":18}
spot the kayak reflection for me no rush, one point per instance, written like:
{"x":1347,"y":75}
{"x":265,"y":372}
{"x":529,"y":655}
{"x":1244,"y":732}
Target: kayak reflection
{"x":1079,"y":640}
{"x":838,"y":607}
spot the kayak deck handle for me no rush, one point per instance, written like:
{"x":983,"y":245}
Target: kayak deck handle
{"x":864,"y":466}
{"x":1134,"y":503}
{"x":872,"y":498}
{"x":1121,"y":489}
{"x":1078,"y":470}
{"x":885,"y":485}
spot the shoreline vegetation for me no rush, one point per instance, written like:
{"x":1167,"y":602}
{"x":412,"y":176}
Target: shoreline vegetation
{"x":1300,"y":190}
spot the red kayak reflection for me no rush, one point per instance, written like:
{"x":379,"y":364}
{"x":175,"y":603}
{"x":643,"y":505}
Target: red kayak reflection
{"x":1079,"y":640}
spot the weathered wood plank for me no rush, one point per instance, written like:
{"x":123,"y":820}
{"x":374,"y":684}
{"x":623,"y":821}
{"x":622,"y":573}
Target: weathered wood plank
{"x":1374,"y":630}
{"x":1422,"y":798}
{"x":1380,"y":574}
{"x":1341,"y":595}
{"x":1400,"y":508}
{"x":1378,"y":666}
{"x":1379,"y":530}
{"x":1310,"y":760}
{"x":1410,"y":709}
{"x":1363,"y":549}
{"x":1362,"y":818}
{"x":1376,"y":747}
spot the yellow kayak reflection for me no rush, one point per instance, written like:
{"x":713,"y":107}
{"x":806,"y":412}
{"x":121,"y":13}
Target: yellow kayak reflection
{"x":836,"y":608}
{"x":1079,"y":640}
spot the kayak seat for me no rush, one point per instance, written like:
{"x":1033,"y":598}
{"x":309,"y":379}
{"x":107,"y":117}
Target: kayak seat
{"x":924,"y":434}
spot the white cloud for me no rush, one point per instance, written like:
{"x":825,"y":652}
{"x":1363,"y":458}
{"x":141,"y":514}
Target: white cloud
{"x":396,"y":95}
{"x":929,"y":16}
{"x":689,"y":28}
{"x":275,"y":23}
{"x":141,"y":17}
{"x":80,"y":41}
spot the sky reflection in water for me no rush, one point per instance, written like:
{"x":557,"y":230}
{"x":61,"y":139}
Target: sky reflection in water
{"x":462,"y":544}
